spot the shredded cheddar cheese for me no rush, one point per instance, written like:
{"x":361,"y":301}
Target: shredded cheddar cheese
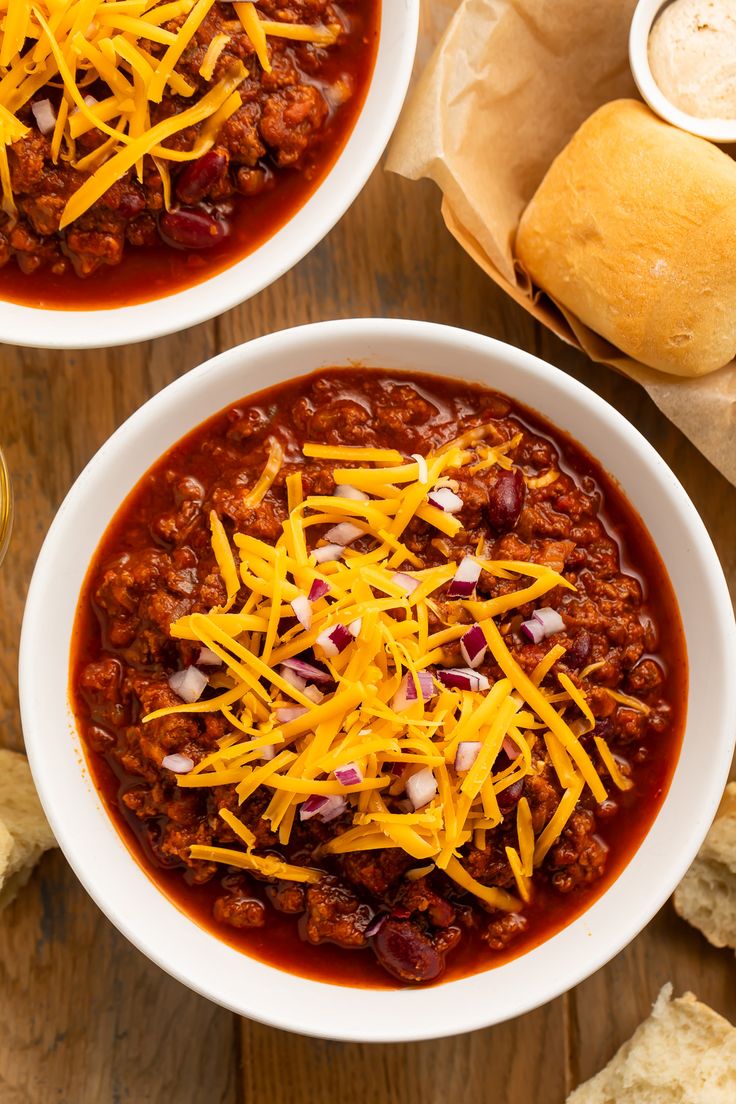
{"x":212,"y":55}
{"x":269,"y":473}
{"x":108,"y":44}
{"x":382,"y":711}
{"x":613,"y":768}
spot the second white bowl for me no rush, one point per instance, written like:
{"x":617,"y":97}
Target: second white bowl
{"x":88,"y":329}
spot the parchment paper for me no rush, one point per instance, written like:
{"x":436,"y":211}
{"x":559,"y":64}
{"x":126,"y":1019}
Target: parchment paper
{"x":505,"y":89}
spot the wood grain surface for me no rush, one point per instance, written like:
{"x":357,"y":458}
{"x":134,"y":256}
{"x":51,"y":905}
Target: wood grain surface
{"x":85,"y":1018}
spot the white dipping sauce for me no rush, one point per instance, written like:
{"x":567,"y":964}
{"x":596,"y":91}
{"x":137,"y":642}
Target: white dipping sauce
{"x":692,"y":56}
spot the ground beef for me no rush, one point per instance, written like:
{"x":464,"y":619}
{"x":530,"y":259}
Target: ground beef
{"x":238,"y":908}
{"x":580,"y":856}
{"x":335,"y":915}
{"x":503,"y":930}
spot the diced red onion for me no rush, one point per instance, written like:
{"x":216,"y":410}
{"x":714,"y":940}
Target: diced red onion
{"x":550,"y":620}
{"x":344,"y":490}
{"x":446,"y":500}
{"x":406,"y":695}
{"x":421,"y":788}
{"x":326,"y":808}
{"x":334,"y":640}
{"x":426,"y":685}
{"x":328,"y":552}
{"x":302,"y":610}
{"x":407,"y":582}
{"x":188,"y":684}
{"x":179,"y":764}
{"x":91,"y":101}
{"x":313,"y":694}
{"x":467,"y":753}
{"x":307,"y":670}
{"x":293,"y":679}
{"x":422,"y":472}
{"x":465,"y":578}
{"x":543,"y":622}
{"x":268,"y":752}
{"x":286,"y":713}
{"x":463,"y":678}
{"x":511,"y":748}
{"x":208,"y":658}
{"x":44,"y":115}
{"x":318,"y":590}
{"x":532,"y":631}
{"x":344,"y":533}
{"x":376,"y":924}
{"x":355,"y":626}
{"x":349,"y":775}
{"x":473,"y":646}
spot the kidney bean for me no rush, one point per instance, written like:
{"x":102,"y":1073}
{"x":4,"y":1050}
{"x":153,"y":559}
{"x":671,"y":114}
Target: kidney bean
{"x":579,"y":654}
{"x":131,"y":204}
{"x":508,"y":798}
{"x":191,"y":228}
{"x":405,"y":951}
{"x":603,"y":727}
{"x":197,"y":179}
{"x":506,"y":500}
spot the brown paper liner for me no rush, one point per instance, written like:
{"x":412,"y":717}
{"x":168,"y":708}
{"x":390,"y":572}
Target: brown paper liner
{"x":505,"y":89}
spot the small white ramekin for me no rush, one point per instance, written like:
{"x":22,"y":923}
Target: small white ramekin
{"x":196,"y":956}
{"x":645,"y":14}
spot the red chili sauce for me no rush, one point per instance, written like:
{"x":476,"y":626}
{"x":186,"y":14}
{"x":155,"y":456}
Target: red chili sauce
{"x":155,"y":563}
{"x":269,"y":158}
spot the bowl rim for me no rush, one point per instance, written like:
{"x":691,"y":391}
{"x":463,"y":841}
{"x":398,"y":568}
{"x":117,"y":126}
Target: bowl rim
{"x":77,"y":328}
{"x":323,"y":1009}
{"x":713,"y":128}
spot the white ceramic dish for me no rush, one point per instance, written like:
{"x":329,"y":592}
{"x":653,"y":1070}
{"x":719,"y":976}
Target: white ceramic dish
{"x":87,"y":329}
{"x":196,"y":957}
{"x":645,"y":14}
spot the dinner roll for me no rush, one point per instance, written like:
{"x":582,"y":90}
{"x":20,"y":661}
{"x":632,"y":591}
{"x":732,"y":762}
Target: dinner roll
{"x":685,"y":1053}
{"x":706,"y":896}
{"x":24,"y":833}
{"x":633,"y":231}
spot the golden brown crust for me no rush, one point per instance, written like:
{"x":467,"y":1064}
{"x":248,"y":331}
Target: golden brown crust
{"x":632,"y":229}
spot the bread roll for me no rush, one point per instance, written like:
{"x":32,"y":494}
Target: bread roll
{"x":633,"y":230}
{"x":685,"y":1053}
{"x":706,"y":896}
{"x":24,"y":833}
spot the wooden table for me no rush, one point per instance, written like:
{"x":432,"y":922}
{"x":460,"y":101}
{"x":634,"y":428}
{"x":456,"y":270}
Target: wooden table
{"x":84,"y":1017}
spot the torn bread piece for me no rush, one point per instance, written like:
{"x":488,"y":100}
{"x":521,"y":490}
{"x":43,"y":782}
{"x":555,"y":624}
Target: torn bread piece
{"x":685,"y":1053}
{"x":706,"y":897}
{"x":24,"y":832}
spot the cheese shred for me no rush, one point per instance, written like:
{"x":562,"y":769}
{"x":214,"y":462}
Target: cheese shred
{"x":373,"y":708}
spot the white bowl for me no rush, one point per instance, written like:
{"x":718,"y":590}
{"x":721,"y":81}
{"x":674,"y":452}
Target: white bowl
{"x":716,"y":130}
{"x":90,"y":329}
{"x":195,"y":956}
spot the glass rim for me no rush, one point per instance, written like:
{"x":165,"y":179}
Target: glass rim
{"x":6,"y":506}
